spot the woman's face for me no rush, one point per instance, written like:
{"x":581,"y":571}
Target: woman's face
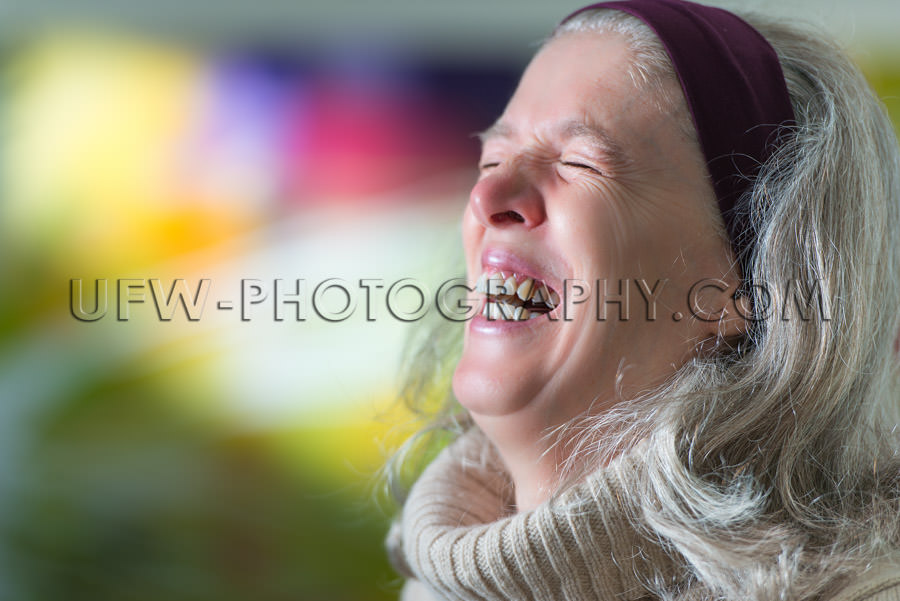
{"x":585,"y":178}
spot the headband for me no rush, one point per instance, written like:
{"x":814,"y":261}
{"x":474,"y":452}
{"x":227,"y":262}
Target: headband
{"x":734,"y":88}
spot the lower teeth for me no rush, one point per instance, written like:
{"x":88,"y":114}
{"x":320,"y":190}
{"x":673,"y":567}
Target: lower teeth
{"x":504,"y":311}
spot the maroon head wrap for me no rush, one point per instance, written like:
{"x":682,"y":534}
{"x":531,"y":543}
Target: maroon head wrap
{"x":734,"y":88}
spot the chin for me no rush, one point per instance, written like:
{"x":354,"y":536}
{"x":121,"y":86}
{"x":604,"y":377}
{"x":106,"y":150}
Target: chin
{"x":492,"y":392}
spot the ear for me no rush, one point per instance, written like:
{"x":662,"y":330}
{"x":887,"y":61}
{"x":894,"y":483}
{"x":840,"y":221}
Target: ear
{"x":737,"y":304}
{"x":730,"y":320}
{"x":733,"y":323}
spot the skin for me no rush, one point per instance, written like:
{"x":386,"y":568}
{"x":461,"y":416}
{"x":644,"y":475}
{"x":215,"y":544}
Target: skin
{"x":584,"y":177}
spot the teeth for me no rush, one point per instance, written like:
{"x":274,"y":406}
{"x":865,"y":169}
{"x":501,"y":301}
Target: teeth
{"x":553,"y":300}
{"x":495,"y":285}
{"x":506,"y":294}
{"x":507,"y":311}
{"x":510,"y":286}
{"x":524,"y":291}
{"x":481,"y":285}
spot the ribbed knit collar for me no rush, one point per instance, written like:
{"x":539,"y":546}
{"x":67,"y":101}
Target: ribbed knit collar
{"x":458,"y":537}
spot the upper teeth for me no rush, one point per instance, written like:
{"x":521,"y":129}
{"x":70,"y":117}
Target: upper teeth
{"x":524,"y":289}
{"x":507,"y":294}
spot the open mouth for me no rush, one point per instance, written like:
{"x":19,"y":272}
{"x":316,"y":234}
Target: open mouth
{"x":515,"y":298}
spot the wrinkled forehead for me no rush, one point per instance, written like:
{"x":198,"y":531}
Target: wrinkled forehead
{"x":587,"y":77}
{"x":648,"y":64}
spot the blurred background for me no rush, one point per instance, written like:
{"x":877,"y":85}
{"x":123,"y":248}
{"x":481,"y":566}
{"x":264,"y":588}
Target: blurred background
{"x":215,"y":447}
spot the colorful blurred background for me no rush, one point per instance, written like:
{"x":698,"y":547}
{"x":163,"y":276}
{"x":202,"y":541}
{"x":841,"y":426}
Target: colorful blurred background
{"x":230,"y":451}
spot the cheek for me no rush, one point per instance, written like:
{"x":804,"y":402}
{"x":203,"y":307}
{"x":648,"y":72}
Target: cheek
{"x":472,"y":234}
{"x":593,"y":227}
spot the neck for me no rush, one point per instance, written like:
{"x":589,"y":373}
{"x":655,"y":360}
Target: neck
{"x":532,"y":458}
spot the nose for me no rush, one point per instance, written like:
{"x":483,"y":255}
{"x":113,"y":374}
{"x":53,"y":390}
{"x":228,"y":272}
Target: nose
{"x":507,"y":197}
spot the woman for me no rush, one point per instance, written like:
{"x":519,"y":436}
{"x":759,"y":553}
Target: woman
{"x":684,"y":382}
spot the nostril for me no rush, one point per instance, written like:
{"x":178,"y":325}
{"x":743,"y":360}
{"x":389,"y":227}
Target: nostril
{"x":507,"y":217}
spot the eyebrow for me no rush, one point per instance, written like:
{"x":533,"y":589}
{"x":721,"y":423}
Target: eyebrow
{"x":596,"y":136}
{"x":497,"y":130}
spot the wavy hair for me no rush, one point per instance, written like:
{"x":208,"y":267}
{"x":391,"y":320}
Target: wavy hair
{"x":773,"y":468}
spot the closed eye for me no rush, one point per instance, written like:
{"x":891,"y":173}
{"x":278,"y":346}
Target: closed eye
{"x":488,"y":165}
{"x":583,"y":166}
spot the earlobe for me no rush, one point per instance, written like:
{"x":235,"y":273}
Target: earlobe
{"x":729,"y":321}
{"x":733,"y":323}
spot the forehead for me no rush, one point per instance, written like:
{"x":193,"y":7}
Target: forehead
{"x":583,"y":77}
{"x":601,"y":57}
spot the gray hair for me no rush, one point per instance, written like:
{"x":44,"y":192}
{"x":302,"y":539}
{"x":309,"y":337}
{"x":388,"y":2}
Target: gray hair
{"x":773,"y":468}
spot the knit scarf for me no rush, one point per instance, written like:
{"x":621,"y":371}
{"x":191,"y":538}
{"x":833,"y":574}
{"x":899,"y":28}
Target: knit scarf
{"x":459,"y":537}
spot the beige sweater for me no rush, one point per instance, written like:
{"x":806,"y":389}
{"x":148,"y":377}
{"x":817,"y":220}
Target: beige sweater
{"x":459,"y":539}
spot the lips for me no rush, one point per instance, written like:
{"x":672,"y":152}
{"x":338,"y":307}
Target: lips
{"x":514,"y":297}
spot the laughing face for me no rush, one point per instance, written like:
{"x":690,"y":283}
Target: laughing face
{"x":585,"y":178}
